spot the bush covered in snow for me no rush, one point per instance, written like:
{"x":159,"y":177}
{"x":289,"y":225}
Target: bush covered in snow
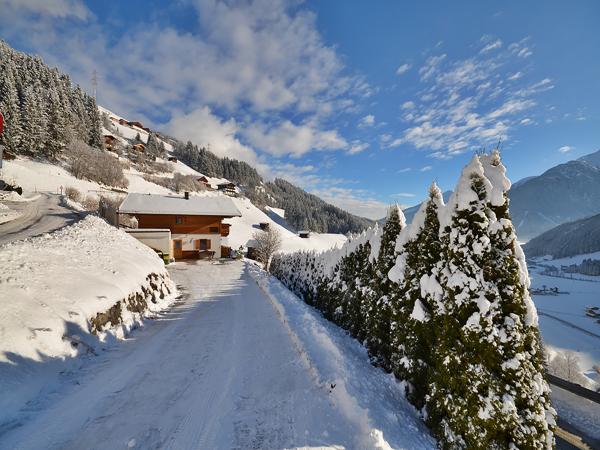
{"x":178,"y":182}
{"x":96,"y":165}
{"x":443,"y":303}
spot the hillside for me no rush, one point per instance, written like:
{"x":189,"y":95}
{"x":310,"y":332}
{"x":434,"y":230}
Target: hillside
{"x":49,"y":120}
{"x":303,"y":210}
{"x":569,"y":239}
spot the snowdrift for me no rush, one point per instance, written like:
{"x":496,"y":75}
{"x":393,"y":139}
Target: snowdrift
{"x":57,"y":289}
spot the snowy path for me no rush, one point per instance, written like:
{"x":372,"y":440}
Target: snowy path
{"x":219,"y":371}
{"x":39,"y":216}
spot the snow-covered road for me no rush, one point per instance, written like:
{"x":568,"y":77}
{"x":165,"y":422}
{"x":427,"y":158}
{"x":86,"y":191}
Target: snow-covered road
{"x":221,"y":370}
{"x":43,"y":215}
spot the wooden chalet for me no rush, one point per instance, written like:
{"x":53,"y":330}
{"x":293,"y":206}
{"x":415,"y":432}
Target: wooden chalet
{"x":139,"y":147}
{"x":305,"y":234}
{"x":172,"y":159}
{"x":192,"y":225}
{"x":228,"y":189}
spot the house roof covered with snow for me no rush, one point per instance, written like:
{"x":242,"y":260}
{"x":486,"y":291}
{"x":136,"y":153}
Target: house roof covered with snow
{"x":170,"y":204}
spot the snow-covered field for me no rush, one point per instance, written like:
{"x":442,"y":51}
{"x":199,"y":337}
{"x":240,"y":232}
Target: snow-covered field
{"x":570,"y":308}
{"x":53,"y":285}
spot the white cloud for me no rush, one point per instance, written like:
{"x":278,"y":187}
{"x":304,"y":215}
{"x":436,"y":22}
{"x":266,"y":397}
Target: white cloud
{"x":526,"y":121}
{"x":287,"y":138}
{"x":403,"y":69}
{"x":202,"y":127}
{"x":367,"y":121}
{"x":383,"y":138}
{"x":60,"y":9}
{"x":256,"y":59}
{"x":491,"y":46}
{"x":431,"y":66}
{"x":406,"y":169}
{"x":566,"y":149}
{"x":515,"y":76}
{"x":426,"y":168}
{"x":405,"y":194}
{"x":468,"y":103}
{"x":357,"y":147}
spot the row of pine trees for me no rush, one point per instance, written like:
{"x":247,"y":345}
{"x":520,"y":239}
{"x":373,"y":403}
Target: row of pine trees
{"x":43,"y":112}
{"x":443,"y":303}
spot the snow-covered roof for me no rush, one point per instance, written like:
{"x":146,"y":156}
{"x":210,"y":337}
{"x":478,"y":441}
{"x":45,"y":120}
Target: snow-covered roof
{"x":170,"y":204}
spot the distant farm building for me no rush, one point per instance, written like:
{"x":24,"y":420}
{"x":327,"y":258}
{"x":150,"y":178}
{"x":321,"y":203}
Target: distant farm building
{"x":264,"y":226}
{"x":187,"y":227}
{"x":172,"y":159}
{"x":304,"y":234}
{"x":139,"y":147}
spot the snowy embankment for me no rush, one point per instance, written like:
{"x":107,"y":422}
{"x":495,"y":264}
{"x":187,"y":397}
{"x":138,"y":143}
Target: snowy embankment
{"x":371,"y":399}
{"x":71,"y":292}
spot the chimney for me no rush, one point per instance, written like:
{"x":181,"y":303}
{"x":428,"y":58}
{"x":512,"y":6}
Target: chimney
{"x":187,"y":195}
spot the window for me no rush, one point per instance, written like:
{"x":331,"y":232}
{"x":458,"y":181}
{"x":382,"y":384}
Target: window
{"x":213,"y":229}
{"x":178,"y":220}
{"x":204,"y":244}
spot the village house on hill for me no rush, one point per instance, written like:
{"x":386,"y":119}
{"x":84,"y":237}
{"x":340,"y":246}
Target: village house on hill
{"x":183,"y":227}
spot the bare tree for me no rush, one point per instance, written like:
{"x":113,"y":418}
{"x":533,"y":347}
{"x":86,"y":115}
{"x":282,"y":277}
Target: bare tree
{"x":565,"y":365}
{"x":267,"y":243}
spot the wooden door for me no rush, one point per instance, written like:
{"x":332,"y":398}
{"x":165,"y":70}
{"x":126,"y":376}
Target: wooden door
{"x":177,"y":248}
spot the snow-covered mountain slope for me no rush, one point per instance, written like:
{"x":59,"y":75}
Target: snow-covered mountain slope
{"x":43,"y":176}
{"x":569,"y":239}
{"x":564,"y":193}
{"x":242,"y":229}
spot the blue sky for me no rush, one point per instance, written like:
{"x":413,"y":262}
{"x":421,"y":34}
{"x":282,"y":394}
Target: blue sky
{"x":363,"y":103}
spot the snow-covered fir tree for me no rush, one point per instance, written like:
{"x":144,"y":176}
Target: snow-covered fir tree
{"x":464,"y":331}
{"x":476,"y":398}
{"x":379,"y":307}
{"x":417,"y":300}
{"x":10,"y":104}
{"x":41,"y":108}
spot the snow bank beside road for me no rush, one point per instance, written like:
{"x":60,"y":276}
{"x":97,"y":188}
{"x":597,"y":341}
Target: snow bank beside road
{"x":373,"y":400}
{"x":53,"y":287}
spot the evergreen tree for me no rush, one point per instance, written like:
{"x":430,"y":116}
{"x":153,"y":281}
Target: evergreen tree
{"x":94,"y":123}
{"x":57,"y":130}
{"x":476,"y":398}
{"x":525,"y":418}
{"x":416,"y":301}
{"x":9,"y":105}
{"x":35,"y":121}
{"x":379,"y":307}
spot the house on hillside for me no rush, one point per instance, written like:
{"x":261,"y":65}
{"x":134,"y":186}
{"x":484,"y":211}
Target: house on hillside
{"x":172,"y":159}
{"x":228,"y":189}
{"x":109,"y":141}
{"x":139,"y":147}
{"x":206,"y":182}
{"x":189,"y":227}
{"x":305,"y":234}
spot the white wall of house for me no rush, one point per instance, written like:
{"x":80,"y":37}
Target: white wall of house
{"x":189,"y":239}
{"x":154,"y":238}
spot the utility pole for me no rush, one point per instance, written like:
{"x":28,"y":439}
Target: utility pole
{"x":95,"y":83}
